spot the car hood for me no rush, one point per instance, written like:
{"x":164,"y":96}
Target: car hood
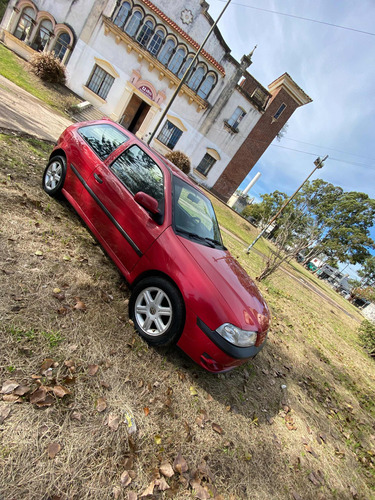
{"x":247,"y":308}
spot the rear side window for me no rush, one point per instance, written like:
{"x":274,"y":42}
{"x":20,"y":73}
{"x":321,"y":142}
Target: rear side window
{"x":103,"y":139}
{"x":138,"y":172}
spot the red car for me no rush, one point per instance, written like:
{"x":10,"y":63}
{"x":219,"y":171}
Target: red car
{"x":161,"y":231}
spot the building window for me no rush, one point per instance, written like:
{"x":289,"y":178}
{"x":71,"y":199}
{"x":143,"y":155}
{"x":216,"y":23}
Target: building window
{"x":167,"y":51}
{"x":236,"y":118}
{"x":25,"y":23}
{"x":122,"y":15}
{"x":61,"y":45}
{"x":145,"y":33}
{"x":176,"y":61}
{"x":185,"y":67}
{"x":206,"y":86}
{"x":100,"y":82}
{"x":156,"y":42}
{"x":279,"y":111}
{"x":169,"y":135}
{"x":43,"y":35}
{"x":196,"y":78}
{"x":206,"y":164}
{"x":134,"y":23}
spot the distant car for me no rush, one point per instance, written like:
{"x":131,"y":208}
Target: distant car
{"x":162,"y":233}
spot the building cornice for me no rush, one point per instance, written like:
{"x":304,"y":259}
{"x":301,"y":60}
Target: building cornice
{"x":184,"y":35}
{"x":153,"y":63}
{"x":286,"y":82}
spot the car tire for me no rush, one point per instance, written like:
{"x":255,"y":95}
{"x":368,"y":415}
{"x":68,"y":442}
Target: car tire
{"x":157,"y":310}
{"x":54,"y":176}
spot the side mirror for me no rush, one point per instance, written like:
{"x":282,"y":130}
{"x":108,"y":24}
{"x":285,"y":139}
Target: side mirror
{"x":147,"y":202}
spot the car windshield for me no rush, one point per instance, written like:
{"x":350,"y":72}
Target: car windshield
{"x":194,"y":216}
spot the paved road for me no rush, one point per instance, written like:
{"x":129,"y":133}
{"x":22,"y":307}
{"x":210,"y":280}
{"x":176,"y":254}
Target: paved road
{"x":22,"y":112}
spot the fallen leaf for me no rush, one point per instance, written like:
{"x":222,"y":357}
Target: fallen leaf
{"x":201,"y":419}
{"x":353,"y":491}
{"x":217,"y":428}
{"x":66,"y":257}
{"x":101,"y":405}
{"x":9,"y":386}
{"x":53,"y":449}
{"x":4,"y":413}
{"x":22,"y":390}
{"x":132,"y":495}
{"x":11,"y":398}
{"x":157,"y":439}
{"x":80,"y":306}
{"x":193,"y":391}
{"x":76,"y":415}
{"x":310,"y":450}
{"x":149,"y":490}
{"x":162,"y":484}
{"x":38,"y":253}
{"x":166,"y":469}
{"x":201,"y":492}
{"x":59,"y":296}
{"x":113,"y":421}
{"x":92,"y":370}
{"x":47,"y":363}
{"x":38,"y":395}
{"x":60,"y":391}
{"x":125,"y":479}
{"x":56,"y":290}
{"x":62,"y":310}
{"x":116,"y":492}
{"x":180,"y":465}
{"x":296,"y":496}
{"x":146,"y":410}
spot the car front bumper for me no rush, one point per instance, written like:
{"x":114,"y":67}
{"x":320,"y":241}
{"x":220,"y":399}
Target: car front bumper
{"x":211,"y":351}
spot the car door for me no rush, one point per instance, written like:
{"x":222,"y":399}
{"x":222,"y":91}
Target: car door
{"x":127,"y":228}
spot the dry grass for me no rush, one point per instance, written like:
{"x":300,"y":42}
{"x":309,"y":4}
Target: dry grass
{"x":273,"y":438}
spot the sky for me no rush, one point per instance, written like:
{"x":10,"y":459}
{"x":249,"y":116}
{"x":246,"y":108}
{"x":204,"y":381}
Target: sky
{"x":334,"y":66}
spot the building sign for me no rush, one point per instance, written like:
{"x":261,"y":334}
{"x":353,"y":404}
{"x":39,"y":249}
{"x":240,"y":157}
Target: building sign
{"x":147,"y":91}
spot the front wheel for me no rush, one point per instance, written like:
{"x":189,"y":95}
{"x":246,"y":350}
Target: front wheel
{"x":54,"y":176}
{"x":157,"y":309}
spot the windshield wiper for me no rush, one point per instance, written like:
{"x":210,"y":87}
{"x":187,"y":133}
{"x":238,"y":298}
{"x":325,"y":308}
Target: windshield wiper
{"x":210,"y":242}
{"x":216,"y":242}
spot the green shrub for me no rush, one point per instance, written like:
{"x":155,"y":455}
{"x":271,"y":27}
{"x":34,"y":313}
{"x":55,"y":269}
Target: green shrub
{"x":180,"y":159}
{"x":48,"y":67}
{"x":367,"y":336}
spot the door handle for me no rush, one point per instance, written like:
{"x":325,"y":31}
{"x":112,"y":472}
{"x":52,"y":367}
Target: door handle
{"x":98,"y":178}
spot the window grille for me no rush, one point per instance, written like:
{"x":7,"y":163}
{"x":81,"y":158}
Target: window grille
{"x":100,"y":82}
{"x":169,"y":135}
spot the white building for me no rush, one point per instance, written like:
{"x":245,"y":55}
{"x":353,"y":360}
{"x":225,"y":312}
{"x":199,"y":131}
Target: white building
{"x":127,"y":58}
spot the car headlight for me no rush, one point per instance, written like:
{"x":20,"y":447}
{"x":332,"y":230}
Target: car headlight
{"x":236,"y":336}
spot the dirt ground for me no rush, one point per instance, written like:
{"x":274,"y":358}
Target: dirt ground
{"x":296,"y":423}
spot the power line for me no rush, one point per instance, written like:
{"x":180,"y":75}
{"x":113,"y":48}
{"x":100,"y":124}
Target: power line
{"x":302,"y":18}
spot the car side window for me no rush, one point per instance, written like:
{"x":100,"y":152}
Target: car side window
{"x":103,"y":138}
{"x":138,"y":172}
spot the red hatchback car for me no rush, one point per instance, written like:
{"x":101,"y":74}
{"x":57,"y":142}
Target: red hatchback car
{"x":161,"y":232}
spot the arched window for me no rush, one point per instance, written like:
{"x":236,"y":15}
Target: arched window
{"x":61,"y":45}
{"x":122,"y":15}
{"x":145,"y":33}
{"x":43,"y":35}
{"x":206,"y":86}
{"x":166,"y":51}
{"x":156,"y":42}
{"x":25,"y":23}
{"x":176,"y":61}
{"x":196,"y":78}
{"x":185,"y":67}
{"x":134,"y":23}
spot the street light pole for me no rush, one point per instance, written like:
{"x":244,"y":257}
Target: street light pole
{"x":318,"y":164}
{"x":167,"y":108}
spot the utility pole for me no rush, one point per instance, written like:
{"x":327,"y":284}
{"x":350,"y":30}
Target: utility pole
{"x":318,"y":164}
{"x":167,"y":108}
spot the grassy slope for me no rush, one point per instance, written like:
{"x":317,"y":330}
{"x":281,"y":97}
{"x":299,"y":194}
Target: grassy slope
{"x":273,"y":439}
{"x":16,"y":70}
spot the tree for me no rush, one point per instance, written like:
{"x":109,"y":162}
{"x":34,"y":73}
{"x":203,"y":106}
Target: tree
{"x":270,"y":204}
{"x":367,"y":273}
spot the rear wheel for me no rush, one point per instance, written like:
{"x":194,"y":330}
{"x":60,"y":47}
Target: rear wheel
{"x":157,"y":309}
{"x":54,"y":176}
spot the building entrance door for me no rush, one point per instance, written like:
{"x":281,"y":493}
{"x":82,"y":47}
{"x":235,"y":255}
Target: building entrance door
{"x":134,"y":113}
